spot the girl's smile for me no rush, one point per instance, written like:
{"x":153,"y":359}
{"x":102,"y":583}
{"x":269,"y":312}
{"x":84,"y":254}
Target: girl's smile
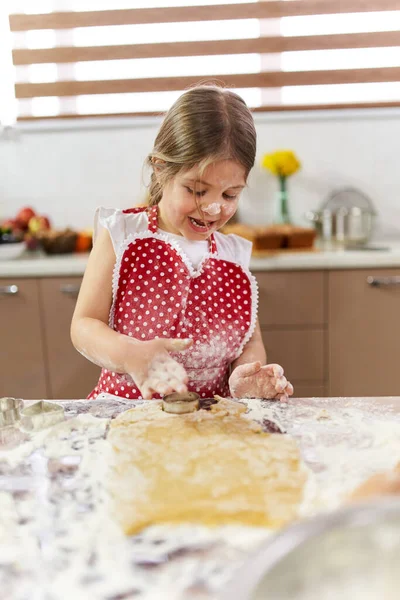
{"x":200,"y":226}
{"x":194,"y":207}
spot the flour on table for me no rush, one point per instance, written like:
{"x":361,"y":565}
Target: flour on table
{"x":343,"y":444}
{"x":57,"y":536}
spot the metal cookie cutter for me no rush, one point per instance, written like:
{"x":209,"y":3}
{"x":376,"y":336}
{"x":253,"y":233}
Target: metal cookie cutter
{"x":187,"y":402}
{"x":180,"y":404}
{"x":41,"y":415}
{"x":10,"y":411}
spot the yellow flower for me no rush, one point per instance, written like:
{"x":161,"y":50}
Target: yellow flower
{"x":281,"y":163}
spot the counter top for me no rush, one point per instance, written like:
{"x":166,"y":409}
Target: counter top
{"x":67,"y":544}
{"x":38,"y":265}
{"x":383,"y":255}
{"x":377,"y":256}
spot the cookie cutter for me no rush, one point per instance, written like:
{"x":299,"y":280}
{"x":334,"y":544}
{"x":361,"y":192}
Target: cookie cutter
{"x":10,"y":411}
{"x":181,"y":403}
{"x":186,"y":402}
{"x":40,"y":415}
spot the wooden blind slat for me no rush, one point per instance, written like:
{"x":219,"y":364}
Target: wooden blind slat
{"x":271,"y":9}
{"x":294,"y":107}
{"x":265,"y":108}
{"x":261,"y":45}
{"x":247,"y":80}
{"x":257,"y":10}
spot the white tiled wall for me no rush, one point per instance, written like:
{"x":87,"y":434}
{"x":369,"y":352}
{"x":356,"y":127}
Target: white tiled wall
{"x":66,"y":170}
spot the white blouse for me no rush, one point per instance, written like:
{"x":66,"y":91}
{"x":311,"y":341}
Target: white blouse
{"x":120,"y":225}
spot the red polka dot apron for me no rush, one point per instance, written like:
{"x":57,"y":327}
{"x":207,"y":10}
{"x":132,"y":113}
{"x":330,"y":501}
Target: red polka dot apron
{"x":158,"y":294}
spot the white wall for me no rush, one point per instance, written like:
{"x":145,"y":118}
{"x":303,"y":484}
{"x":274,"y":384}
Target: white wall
{"x":65,"y":170}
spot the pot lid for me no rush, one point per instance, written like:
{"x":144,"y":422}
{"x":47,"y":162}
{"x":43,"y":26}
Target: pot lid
{"x":349,"y":198}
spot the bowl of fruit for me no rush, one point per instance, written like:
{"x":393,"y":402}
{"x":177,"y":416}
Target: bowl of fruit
{"x":32,"y":231}
{"x":20,"y":233}
{"x":12,"y":242}
{"x":10,"y":247}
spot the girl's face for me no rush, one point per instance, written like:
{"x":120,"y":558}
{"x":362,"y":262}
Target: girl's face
{"x":194,"y":207}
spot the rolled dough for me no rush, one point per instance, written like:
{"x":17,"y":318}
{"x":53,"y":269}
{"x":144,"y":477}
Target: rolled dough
{"x":211,"y":467}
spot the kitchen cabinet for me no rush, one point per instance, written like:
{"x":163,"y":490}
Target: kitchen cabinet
{"x":70,"y":374}
{"x":22,"y":355}
{"x":293,"y":320}
{"x":291,"y":298}
{"x":364,"y":332}
{"x":334,"y":333}
{"x":37,"y":359}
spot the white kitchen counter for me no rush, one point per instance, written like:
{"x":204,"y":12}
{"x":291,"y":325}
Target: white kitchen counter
{"x":74,"y":264}
{"x":385,"y":255}
{"x":44,"y":266}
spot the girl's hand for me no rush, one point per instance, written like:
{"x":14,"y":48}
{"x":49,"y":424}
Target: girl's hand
{"x":153,"y":369}
{"x":254,"y":381}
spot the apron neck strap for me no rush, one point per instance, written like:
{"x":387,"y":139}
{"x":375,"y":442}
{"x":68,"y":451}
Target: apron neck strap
{"x":152,"y":214}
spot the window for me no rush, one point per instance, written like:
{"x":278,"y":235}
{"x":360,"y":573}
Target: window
{"x":8,"y":105}
{"x":136,"y":57}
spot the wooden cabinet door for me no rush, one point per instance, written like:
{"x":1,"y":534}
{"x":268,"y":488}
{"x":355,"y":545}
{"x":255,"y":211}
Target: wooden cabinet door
{"x":291,"y":298}
{"x":301,"y":353}
{"x":364,"y":333}
{"x":70,"y":374}
{"x":304,"y":389}
{"x":292,"y":314}
{"x":22,"y":364}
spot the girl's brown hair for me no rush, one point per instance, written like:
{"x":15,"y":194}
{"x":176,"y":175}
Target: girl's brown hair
{"x":206,"y":124}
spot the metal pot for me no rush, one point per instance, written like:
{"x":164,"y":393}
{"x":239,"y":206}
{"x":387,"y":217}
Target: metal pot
{"x":351,"y":553}
{"x":343,"y":226}
{"x":346,"y":218}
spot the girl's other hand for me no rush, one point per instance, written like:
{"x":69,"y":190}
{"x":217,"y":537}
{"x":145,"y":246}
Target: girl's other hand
{"x":254,"y":381}
{"x":153,"y":369}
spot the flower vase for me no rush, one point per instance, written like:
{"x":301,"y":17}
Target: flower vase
{"x":283,"y":213}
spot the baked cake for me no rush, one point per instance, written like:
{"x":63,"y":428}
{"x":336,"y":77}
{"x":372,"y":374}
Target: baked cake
{"x":274,"y":237}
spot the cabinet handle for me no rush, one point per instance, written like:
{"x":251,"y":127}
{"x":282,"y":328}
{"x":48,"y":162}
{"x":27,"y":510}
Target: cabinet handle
{"x":383,"y":281}
{"x":9,"y":290}
{"x":70,"y":289}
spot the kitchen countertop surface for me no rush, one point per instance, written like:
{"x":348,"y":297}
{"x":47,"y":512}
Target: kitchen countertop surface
{"x":59,"y":540}
{"x":379,"y":255}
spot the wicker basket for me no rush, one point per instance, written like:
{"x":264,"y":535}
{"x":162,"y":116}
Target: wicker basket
{"x":58,"y":242}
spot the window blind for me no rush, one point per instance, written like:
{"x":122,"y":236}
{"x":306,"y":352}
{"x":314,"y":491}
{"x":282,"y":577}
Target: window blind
{"x":278,"y":54}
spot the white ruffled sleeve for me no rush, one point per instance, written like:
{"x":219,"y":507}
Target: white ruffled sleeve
{"x":243,"y":249}
{"x":118,"y":224}
{"x":234,"y":248}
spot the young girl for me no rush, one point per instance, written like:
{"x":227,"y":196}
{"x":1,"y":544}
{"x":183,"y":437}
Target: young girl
{"x":167,"y":303}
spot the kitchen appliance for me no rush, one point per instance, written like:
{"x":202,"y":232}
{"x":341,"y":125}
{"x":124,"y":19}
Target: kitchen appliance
{"x":351,"y":553}
{"x":345,"y":219}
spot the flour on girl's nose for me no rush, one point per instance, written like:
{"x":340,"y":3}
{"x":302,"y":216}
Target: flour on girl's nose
{"x":212,"y":209}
